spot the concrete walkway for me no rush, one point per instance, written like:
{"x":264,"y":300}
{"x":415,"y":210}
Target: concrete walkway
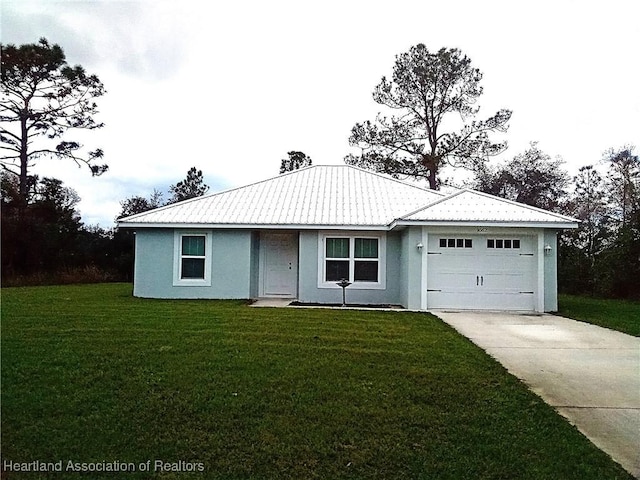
{"x":591,"y":375}
{"x":272,"y":302}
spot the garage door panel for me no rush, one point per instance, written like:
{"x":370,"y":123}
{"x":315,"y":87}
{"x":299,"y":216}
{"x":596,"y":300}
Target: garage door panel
{"x":505,"y":301}
{"x":481,"y":277}
{"x":447,"y":299}
{"x":484,"y":301}
{"x":456,"y":280}
{"x":506,"y":282}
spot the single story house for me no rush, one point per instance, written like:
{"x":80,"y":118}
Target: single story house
{"x":298,"y":234}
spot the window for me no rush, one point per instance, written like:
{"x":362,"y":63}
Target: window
{"x":357,"y":258}
{"x":192,"y":264}
{"x":456,"y":243}
{"x":337,"y":258}
{"x":503,"y":243}
{"x":366,"y":260}
{"x":193,"y":257}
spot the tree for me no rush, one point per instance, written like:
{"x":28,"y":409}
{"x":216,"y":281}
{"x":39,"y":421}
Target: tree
{"x":623,"y":256}
{"x":603,"y":256}
{"x":427,"y":90}
{"x":191,"y":187}
{"x":137,"y":204}
{"x":52,"y":192}
{"x":623,"y":181}
{"x":43,"y":235}
{"x":9,"y":188}
{"x":581,"y":248}
{"x":532,"y":177}
{"x":43,"y":98}
{"x":295,"y":161}
{"x":588,"y":204}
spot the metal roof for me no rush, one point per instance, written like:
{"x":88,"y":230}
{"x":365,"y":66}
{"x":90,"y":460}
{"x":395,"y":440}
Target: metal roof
{"x":474,"y":207}
{"x":336,"y":195}
{"x":342,"y":196}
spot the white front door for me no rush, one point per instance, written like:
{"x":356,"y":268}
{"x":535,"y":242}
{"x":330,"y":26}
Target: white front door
{"x":481,"y":272}
{"x":279,"y":262}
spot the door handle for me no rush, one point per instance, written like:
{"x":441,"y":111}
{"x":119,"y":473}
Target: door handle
{"x":477,"y":280}
{"x":481,"y":281}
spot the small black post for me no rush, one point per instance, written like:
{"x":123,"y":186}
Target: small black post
{"x":344,"y":283}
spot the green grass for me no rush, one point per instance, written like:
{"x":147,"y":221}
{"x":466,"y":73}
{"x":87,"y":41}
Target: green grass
{"x":621,"y":315}
{"x":90,"y":374}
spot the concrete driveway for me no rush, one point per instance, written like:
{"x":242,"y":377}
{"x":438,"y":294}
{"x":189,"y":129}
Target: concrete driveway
{"x":591,"y":375}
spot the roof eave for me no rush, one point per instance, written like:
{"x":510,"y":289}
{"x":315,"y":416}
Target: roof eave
{"x":482,"y":223}
{"x":250,"y":226}
{"x":391,"y":226}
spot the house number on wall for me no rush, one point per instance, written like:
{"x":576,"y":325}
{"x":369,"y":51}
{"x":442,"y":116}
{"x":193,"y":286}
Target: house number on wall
{"x":482,"y":229}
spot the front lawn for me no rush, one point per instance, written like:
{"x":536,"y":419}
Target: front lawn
{"x":93,"y":376}
{"x":621,"y":315}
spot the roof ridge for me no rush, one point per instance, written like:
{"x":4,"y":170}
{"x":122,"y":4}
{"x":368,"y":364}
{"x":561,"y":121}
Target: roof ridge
{"x":520,"y":204}
{"x":275,"y":177}
{"x":164,"y":207}
{"x":310,"y":167}
{"x":214,"y":194}
{"x":431,"y":204}
{"x":384,"y":176}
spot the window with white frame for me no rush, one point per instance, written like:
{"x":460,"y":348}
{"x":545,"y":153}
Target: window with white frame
{"x":456,"y":243}
{"x":503,"y":243}
{"x":192,"y":264}
{"x":357,"y":258}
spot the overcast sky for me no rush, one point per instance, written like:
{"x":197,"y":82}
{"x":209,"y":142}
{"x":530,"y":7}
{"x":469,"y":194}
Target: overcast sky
{"x":230,"y":87}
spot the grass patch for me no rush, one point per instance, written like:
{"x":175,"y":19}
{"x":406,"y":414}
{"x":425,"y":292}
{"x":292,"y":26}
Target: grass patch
{"x":620,"y":315}
{"x":90,"y":374}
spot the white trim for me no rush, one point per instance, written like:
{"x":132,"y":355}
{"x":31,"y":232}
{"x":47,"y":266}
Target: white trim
{"x":383,"y":228}
{"x":484,"y":223}
{"x":255,"y":226}
{"x":177,"y":257}
{"x":381,"y":284}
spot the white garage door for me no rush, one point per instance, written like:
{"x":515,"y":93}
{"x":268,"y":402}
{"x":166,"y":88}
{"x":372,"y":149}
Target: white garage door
{"x":481,"y":272}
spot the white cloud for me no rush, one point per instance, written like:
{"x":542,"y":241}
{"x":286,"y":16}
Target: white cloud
{"x":230,"y":87}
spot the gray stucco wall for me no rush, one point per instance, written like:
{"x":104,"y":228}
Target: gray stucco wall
{"x":411,"y":268}
{"x":308,"y":275}
{"x":255,"y":265}
{"x":551,"y":272}
{"x":151,"y":245}
{"x":235,"y":269}
{"x":231,"y":259}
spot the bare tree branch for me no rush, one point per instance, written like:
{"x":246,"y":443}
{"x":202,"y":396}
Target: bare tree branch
{"x":425,"y":88}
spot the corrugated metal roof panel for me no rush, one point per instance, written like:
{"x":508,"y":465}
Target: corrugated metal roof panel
{"x":472,"y":206}
{"x":339,"y":195}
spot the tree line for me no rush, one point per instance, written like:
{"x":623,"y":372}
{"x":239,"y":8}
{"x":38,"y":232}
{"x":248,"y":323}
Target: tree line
{"x":45,"y":241}
{"x":430,"y":126}
{"x":602,"y":256}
